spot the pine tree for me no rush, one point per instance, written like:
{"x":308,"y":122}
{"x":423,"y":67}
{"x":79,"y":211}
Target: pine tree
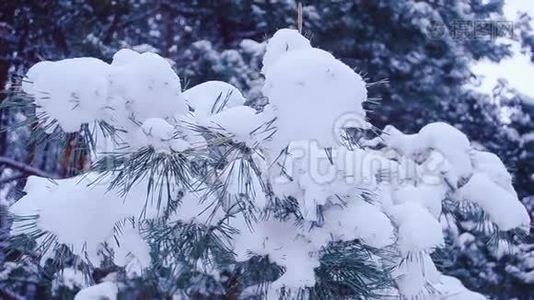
{"x":195,"y":194}
{"x":382,"y":39}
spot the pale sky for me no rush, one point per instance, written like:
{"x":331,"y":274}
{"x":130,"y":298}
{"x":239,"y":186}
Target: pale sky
{"x":518,"y":70}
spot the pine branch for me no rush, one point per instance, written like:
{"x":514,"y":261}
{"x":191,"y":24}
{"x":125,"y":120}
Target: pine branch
{"x":24,"y":168}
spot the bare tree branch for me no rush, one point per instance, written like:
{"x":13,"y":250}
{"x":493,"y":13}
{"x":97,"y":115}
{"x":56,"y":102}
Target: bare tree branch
{"x":24,"y":168}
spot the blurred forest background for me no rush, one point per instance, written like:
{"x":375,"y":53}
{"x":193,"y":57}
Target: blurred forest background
{"x":424,"y":71}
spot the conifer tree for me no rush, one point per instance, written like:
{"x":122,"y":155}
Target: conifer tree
{"x":194,"y":194}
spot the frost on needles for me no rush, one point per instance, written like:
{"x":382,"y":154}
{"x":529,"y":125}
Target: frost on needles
{"x":198,"y":194}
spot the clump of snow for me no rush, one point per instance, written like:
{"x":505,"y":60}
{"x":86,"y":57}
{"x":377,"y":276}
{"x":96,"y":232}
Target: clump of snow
{"x":242,"y":123}
{"x":503,"y":207}
{"x":451,"y":288}
{"x":298,"y":249}
{"x":146,"y":85}
{"x":305,"y":174}
{"x":252,"y":47}
{"x":240,"y":178}
{"x":71,"y":91}
{"x":491,"y":165}
{"x":428,"y":196}
{"x":415,"y":275}
{"x":359,"y":220}
{"x":281,"y":242}
{"x":440,"y":164}
{"x":160,"y":135}
{"x":132,"y":252}
{"x":79,"y":202}
{"x":441,"y":137}
{"x":105,"y":290}
{"x":418,"y":228}
{"x":315,"y":176}
{"x":283,"y":41}
{"x":211,"y":97}
{"x":313,"y":84}
{"x":195,"y":208}
{"x":83,"y":90}
{"x":158,"y":128}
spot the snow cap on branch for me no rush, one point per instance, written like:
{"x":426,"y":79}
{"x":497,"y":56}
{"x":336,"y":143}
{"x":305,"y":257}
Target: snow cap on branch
{"x":284,"y":40}
{"x":134,"y":86}
{"x":80,"y":212}
{"x":321,"y":90}
{"x":70,"y":91}
{"x":211,"y":97}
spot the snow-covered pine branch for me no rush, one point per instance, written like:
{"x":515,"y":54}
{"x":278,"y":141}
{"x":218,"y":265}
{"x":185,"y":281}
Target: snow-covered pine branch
{"x":226,"y":199}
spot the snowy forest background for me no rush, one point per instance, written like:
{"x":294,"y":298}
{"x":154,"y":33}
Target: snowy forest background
{"x":425,"y":77}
